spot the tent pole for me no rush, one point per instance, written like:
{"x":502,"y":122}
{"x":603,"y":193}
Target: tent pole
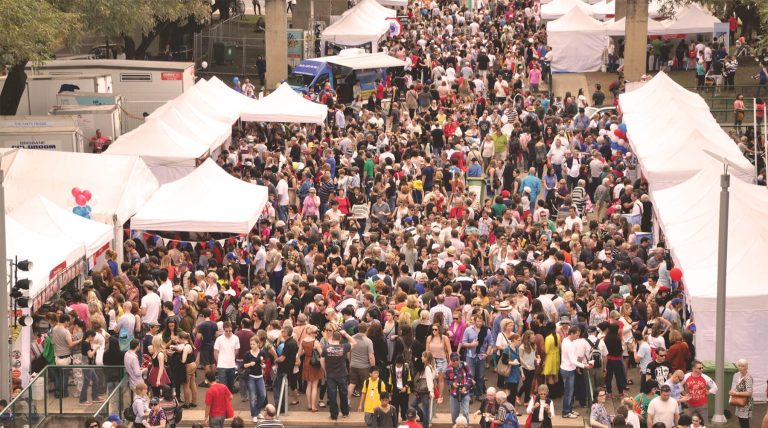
{"x":765,"y":146}
{"x":722,"y":262}
{"x":754,"y":132}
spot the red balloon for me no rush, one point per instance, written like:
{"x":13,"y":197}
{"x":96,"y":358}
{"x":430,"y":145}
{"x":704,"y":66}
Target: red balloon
{"x":676,"y":274}
{"x":617,"y":132}
{"x":87,"y":194}
{"x":76,"y":191}
{"x":80,"y":200}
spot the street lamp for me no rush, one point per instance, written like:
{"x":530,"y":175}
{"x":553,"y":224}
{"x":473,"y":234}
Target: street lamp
{"x":722,"y":264}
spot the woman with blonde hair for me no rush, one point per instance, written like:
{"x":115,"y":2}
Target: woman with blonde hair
{"x":158,"y":376}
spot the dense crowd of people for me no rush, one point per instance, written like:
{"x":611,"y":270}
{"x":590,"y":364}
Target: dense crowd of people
{"x":379,"y":278}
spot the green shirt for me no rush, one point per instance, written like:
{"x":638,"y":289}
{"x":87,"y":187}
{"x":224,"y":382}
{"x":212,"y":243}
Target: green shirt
{"x":499,"y":142}
{"x":368,"y":168}
{"x":498,"y":209}
{"x":597,"y":98}
{"x":643,"y":400}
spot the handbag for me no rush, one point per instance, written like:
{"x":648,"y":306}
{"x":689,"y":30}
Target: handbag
{"x":503,"y":368}
{"x":315,"y":361}
{"x":737,"y":401}
{"x":420,"y":386}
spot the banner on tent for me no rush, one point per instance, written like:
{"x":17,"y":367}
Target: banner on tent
{"x":60,"y":276}
{"x":178,"y":243}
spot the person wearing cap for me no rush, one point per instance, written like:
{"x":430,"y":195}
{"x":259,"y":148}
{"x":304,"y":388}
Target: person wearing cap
{"x":533,"y":183}
{"x":664,"y":409}
{"x":460,"y":383}
{"x":410,"y":420}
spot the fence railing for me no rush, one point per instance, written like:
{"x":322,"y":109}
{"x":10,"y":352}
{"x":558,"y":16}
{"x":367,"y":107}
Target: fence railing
{"x":57,"y":390}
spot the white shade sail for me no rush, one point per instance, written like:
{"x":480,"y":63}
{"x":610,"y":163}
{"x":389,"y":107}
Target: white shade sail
{"x":169,"y":208}
{"x":285,"y":105}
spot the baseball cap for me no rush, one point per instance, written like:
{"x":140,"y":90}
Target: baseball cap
{"x":411,"y":413}
{"x":677,"y":301}
{"x":115,"y":418}
{"x":154,"y":401}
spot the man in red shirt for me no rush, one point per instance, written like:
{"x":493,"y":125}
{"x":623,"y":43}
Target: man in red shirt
{"x":410,"y":421}
{"x":697,"y":386}
{"x":218,"y":405}
{"x":379,"y":92}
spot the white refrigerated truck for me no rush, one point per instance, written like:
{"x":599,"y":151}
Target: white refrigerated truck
{"x":144,"y":85}
{"x":41,"y":133}
{"x":40,"y":90}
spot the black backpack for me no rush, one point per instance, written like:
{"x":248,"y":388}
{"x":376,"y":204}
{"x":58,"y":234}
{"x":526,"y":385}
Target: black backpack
{"x":594,"y":353}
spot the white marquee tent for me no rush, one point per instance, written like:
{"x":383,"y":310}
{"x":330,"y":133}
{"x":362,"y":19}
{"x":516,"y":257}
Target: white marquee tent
{"x":45,"y":217}
{"x":617,"y":27}
{"x":285,"y":105}
{"x":688,"y":214}
{"x":47,"y":253}
{"x":577,"y":41}
{"x":393,"y":3}
{"x":168,"y":209}
{"x":365,"y":23}
{"x":120,"y":185}
{"x":169,"y":154}
{"x":658,"y":92}
{"x":559,"y":8}
{"x":691,"y":20}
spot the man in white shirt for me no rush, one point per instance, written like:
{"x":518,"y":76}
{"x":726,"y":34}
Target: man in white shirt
{"x":282,"y":197}
{"x":556,"y":156}
{"x":569,"y":362}
{"x":165,"y":290}
{"x":440,"y":307}
{"x":663,"y":409}
{"x":572,"y":221}
{"x":150,"y":304}
{"x":224,"y":351}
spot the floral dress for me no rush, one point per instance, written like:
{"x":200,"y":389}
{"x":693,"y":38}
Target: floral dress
{"x":743,"y":384}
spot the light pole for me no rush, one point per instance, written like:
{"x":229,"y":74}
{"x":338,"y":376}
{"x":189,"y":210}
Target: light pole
{"x":722,"y":264}
{"x":5,"y":304}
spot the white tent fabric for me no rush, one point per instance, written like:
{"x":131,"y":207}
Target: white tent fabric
{"x":691,"y":20}
{"x":689,"y":129}
{"x":357,"y":60}
{"x":617,"y":27}
{"x":47,"y":252}
{"x":577,"y":41}
{"x":285,"y":105}
{"x":168,"y":209}
{"x":688,"y":214}
{"x":209,"y":101}
{"x":560,"y":8}
{"x":120,"y":185}
{"x":604,"y":8}
{"x":45,"y":217}
{"x":394,"y":3}
{"x":364,"y":23}
{"x":169,"y":154}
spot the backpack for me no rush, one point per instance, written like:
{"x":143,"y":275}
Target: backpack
{"x":123,"y":339}
{"x":200,"y":293}
{"x":381,"y":382}
{"x":510,"y":420}
{"x":48,"y":352}
{"x":128,"y":413}
{"x":594,"y":353}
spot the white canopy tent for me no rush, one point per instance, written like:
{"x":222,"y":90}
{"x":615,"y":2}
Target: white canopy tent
{"x":285,"y":105}
{"x":604,"y":8}
{"x":45,"y":217}
{"x":358,"y":59}
{"x":365,"y":23}
{"x":658,"y":92}
{"x":617,"y":27}
{"x":559,"y":8}
{"x":688,"y":214}
{"x":120,"y":185}
{"x":209,"y":102}
{"x":168,"y":209}
{"x":393,"y":3}
{"x":692,"y":19}
{"x":186,"y":120}
{"x":577,"y":41}
{"x":169,"y":154}
{"x":48,"y":253}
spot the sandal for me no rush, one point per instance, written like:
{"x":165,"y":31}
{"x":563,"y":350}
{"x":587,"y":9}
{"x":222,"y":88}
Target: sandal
{"x":314,"y":410}
{"x":293,"y":403}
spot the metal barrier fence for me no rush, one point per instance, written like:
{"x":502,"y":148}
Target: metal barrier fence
{"x":57,"y":390}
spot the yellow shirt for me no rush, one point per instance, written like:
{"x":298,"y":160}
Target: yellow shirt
{"x":417,"y":184}
{"x":371,"y":393}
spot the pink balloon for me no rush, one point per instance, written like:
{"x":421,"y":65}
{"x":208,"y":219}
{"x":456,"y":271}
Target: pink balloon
{"x":80,"y":200}
{"x":87,"y":194}
{"x":76,"y":191}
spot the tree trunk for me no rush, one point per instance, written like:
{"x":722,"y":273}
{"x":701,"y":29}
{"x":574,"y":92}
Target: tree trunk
{"x":13,"y":89}
{"x":130,"y":47}
{"x":148,"y":39}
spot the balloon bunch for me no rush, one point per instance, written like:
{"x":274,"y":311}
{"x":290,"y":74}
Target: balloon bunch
{"x":676,"y":274}
{"x":81,"y":199}
{"x":619,"y":133}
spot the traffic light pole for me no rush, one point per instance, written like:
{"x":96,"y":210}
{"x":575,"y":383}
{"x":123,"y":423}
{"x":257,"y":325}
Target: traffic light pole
{"x":5,"y":304}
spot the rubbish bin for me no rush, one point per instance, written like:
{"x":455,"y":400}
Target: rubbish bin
{"x":709,"y":370}
{"x":224,"y":53}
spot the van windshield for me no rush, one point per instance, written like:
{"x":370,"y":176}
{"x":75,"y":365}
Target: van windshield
{"x":302,"y":80}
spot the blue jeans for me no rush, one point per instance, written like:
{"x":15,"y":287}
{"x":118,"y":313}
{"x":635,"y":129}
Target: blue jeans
{"x":242,"y":385}
{"x":477,"y":368}
{"x":227,"y":377}
{"x":337,"y":387}
{"x":422,"y":405}
{"x":459,"y":403}
{"x":257,"y":394}
{"x":568,"y":380}
{"x":282,"y":212}
{"x":89,"y":379}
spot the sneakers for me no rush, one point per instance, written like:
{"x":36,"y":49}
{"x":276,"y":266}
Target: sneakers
{"x":255,"y":419}
{"x":203,"y":385}
{"x":571,"y":415}
{"x":356,"y":393}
